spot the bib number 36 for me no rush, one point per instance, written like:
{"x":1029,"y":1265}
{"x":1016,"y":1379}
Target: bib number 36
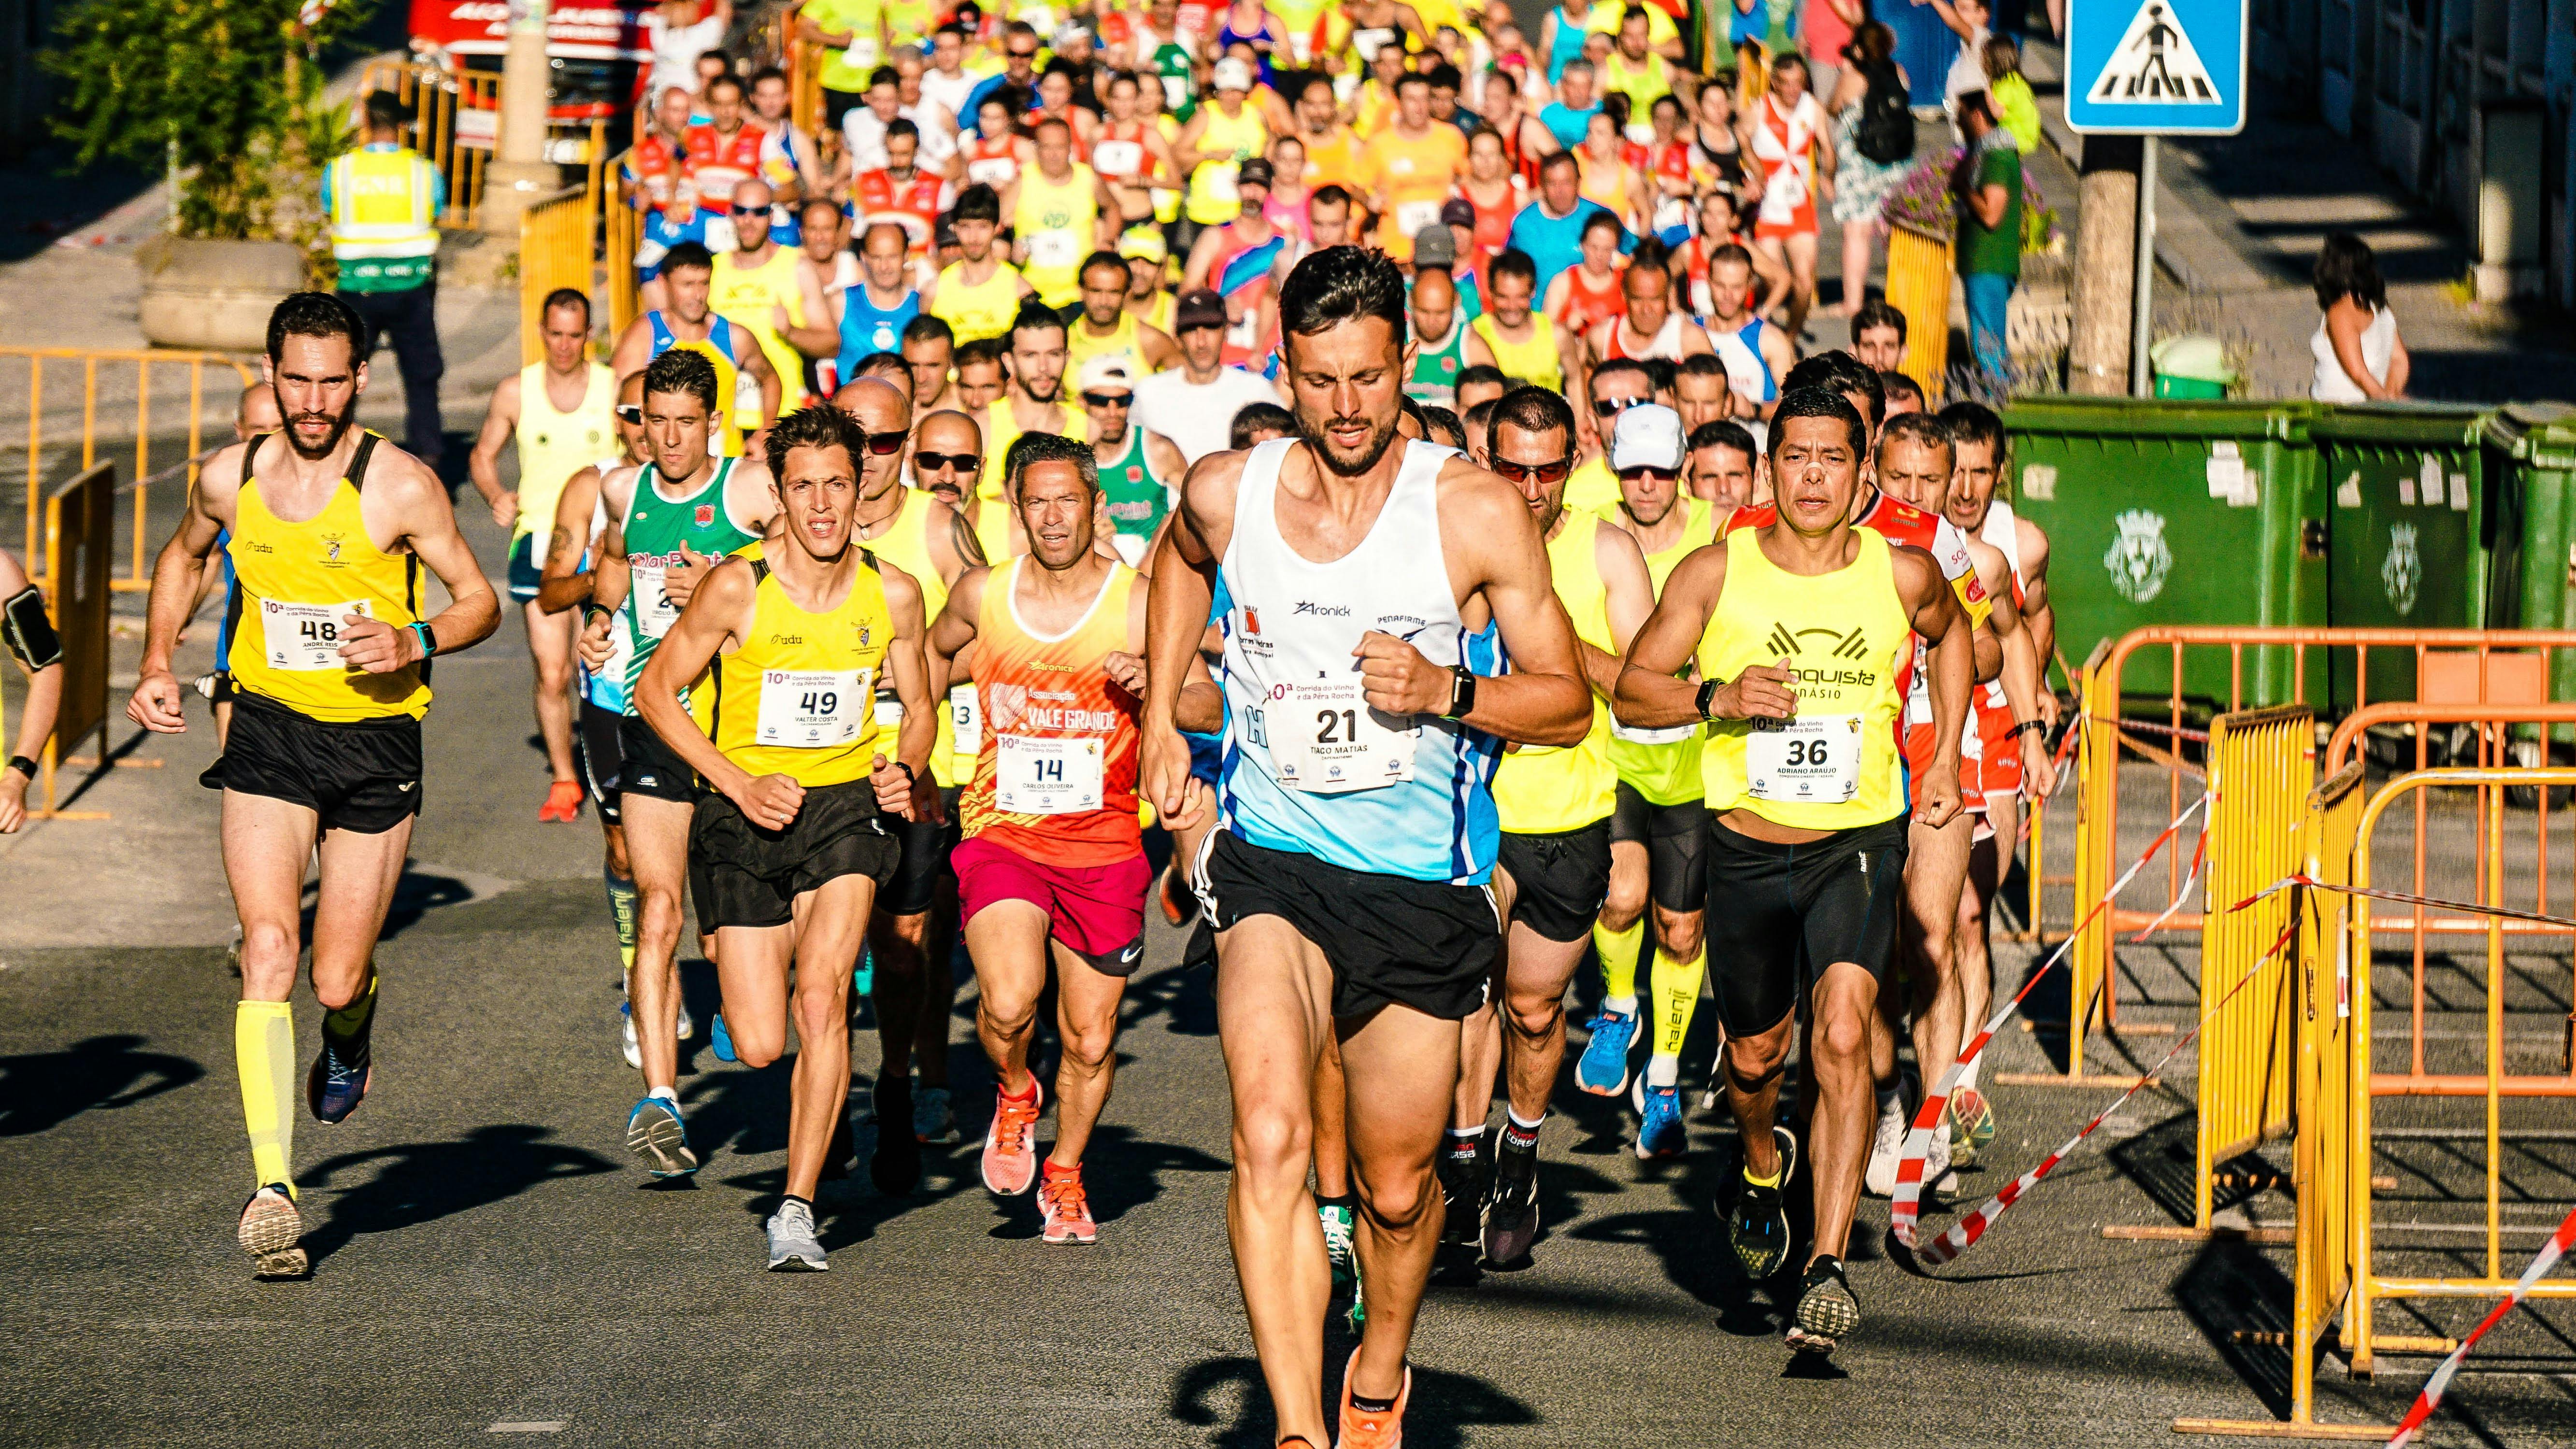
{"x":1814,"y":759}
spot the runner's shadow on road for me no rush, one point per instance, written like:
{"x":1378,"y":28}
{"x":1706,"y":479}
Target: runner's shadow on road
{"x":416,"y":894}
{"x":1120,"y":1171}
{"x":1185,"y":996}
{"x":1444,"y":1404}
{"x":40,"y":1091}
{"x":422,"y":1182}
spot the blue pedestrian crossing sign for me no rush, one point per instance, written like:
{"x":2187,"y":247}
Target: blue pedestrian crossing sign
{"x":2156,"y":67}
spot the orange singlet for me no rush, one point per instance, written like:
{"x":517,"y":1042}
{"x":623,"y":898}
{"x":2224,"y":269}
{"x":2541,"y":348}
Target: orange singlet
{"x":1069,"y":734}
{"x":1586,"y":306}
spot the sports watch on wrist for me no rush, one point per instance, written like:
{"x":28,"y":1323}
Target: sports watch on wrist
{"x":1462,"y":693}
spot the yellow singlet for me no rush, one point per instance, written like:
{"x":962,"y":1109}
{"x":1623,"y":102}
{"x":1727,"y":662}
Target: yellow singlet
{"x":799,"y":697}
{"x":992,"y":524}
{"x":1124,"y":340}
{"x":1663,"y":766}
{"x":1159,"y":313}
{"x":1059,"y":220}
{"x":297,"y":582}
{"x":555,"y":445}
{"x":1213,"y":199}
{"x":982,"y":310}
{"x":1001,"y":429}
{"x":1547,"y":789}
{"x":907,"y":547}
{"x":1593,"y":486}
{"x":1837,"y":765}
{"x":1534,"y":361}
{"x":744,"y":297}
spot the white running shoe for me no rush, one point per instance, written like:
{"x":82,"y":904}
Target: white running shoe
{"x":688,"y":1023}
{"x":633,"y":1053}
{"x":793,"y":1245}
{"x":1887,"y":1146}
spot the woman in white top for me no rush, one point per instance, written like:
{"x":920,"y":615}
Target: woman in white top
{"x":2359,"y":358}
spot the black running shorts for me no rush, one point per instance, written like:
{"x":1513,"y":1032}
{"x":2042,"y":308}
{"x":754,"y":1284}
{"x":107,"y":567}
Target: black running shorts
{"x":648,"y":766}
{"x":1779,"y":914}
{"x":595,"y":742}
{"x":742,"y":875}
{"x":925,"y":859}
{"x":1423,"y":944}
{"x":1676,"y":841}
{"x":1558,"y":881}
{"x":362,"y":776}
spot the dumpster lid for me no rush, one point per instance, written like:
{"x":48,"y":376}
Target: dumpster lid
{"x":2407,"y":424}
{"x":2128,"y":417}
{"x":2523,"y":429}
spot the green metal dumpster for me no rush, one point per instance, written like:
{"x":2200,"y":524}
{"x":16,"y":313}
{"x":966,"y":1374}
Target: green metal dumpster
{"x":2532,"y":446}
{"x":2413,"y":524}
{"x":2166,"y":512}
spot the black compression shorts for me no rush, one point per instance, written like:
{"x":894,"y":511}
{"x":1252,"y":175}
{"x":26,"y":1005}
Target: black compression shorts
{"x":595,"y":744}
{"x":1424,"y":944}
{"x":1558,"y":881}
{"x":742,"y":875}
{"x":362,"y":776}
{"x":925,"y":859}
{"x":1676,"y":841}
{"x":1778,"y":915}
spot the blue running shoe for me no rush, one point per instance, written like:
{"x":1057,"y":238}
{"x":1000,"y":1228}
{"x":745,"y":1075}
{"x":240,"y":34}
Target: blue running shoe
{"x":334,"y":1088}
{"x":1661,"y":1134}
{"x":655,"y":1134}
{"x":1604,"y":1069}
{"x":863,"y":977}
{"x":720,"y":1039}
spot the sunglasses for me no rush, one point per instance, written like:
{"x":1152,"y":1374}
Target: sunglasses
{"x":1021,"y":54}
{"x":1631,"y":475}
{"x":942,"y":462}
{"x":1108,"y":399}
{"x":1611,"y":407}
{"x":628,"y":414}
{"x":751,"y":211}
{"x":886,"y":445}
{"x":1543,"y":472}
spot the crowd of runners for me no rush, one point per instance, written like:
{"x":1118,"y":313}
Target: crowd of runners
{"x":1449,"y":654}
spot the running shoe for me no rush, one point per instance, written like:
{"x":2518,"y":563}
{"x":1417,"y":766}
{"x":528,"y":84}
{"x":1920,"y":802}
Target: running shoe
{"x":1511,"y":1208}
{"x":686,"y":1026}
{"x":793,"y":1247}
{"x":933,"y":1119}
{"x":1338,"y":1248}
{"x":1879,"y":1180}
{"x":627,"y":1046}
{"x":1759,"y":1225}
{"x":719,"y":1040}
{"x":1715,"y":1091}
{"x":896,"y":1165}
{"x":271,"y":1231}
{"x":1010,"y":1147}
{"x":863,"y":977}
{"x":563,"y":803}
{"x":657,"y":1136}
{"x":1462,"y":1197}
{"x":1660,"y":1132}
{"x":1179,"y":901}
{"x":334,"y":1088}
{"x":1827,"y":1311}
{"x":1362,"y":1430}
{"x":1066,"y":1209}
{"x":1972,"y":1125}
{"x":1603,"y":1071}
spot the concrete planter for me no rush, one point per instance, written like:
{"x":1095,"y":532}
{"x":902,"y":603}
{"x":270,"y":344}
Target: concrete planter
{"x":215,"y":296}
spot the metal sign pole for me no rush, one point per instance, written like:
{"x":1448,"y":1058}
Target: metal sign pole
{"x":2142,"y":294}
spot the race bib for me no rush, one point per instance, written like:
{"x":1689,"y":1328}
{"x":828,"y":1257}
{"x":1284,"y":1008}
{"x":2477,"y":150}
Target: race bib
{"x":1325,"y":740}
{"x":1638,"y":735}
{"x":1783,"y":193}
{"x":863,"y":52}
{"x":1176,"y":92}
{"x":889,"y":708}
{"x":1118,"y":159}
{"x":1368,"y":42}
{"x":812,"y":709}
{"x":1813,"y":759}
{"x":966,"y":719}
{"x":1412,"y":216}
{"x":306,"y":637}
{"x":1054,"y":249}
{"x":1046,"y":776}
{"x":654,"y":611}
{"x":720,"y":237}
{"x":1218,"y":177}
{"x":993,"y":171}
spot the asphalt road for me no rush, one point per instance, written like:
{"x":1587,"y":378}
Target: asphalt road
{"x":487,"y":1261}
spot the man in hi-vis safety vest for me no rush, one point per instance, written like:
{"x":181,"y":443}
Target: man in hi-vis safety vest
{"x":384,"y":201}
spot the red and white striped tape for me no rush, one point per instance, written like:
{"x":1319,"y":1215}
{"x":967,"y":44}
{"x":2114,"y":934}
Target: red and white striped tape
{"x":2431,"y":1397}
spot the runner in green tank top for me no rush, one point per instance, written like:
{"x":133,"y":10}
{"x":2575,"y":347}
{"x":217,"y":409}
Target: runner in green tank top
{"x":1440,"y":350}
{"x":1138,"y":469}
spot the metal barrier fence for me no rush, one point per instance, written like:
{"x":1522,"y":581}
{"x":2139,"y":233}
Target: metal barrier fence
{"x":147,"y":366}
{"x":554,"y":251}
{"x":2459,"y":666}
{"x":621,"y":234}
{"x":80,"y":544}
{"x":456,"y":126}
{"x":1918,"y":285}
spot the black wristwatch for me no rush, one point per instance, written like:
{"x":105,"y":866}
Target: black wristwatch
{"x":1462,"y":693}
{"x":1707,"y":693}
{"x":23,"y":766}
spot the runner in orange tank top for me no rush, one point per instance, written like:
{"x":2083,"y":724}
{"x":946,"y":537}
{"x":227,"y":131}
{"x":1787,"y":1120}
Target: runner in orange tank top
{"x":1587,"y":294}
{"x":1052,"y":869}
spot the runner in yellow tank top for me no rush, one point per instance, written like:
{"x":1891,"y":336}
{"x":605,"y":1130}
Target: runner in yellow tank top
{"x":790,"y":848}
{"x":1216,"y":141}
{"x":1107,"y":329}
{"x":330,"y":528}
{"x":1554,"y":807}
{"x":1657,"y":829}
{"x":1512,"y":291}
{"x":1056,"y":208}
{"x":1802,"y":631}
{"x":752,"y":284}
{"x":977,"y":294}
{"x":555,"y":442}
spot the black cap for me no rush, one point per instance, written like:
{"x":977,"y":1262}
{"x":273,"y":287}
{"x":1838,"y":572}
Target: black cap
{"x":1202,"y":308}
{"x":1255,"y":172}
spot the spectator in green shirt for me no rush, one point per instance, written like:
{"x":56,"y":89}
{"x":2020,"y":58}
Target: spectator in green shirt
{"x":1987,"y":187}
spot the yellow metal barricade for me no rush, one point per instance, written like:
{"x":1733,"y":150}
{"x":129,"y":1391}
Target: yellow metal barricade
{"x":622,"y":232}
{"x":1918,"y":285}
{"x":554,"y":252}
{"x":805,"y":85}
{"x":107,"y":412}
{"x":80,"y":547}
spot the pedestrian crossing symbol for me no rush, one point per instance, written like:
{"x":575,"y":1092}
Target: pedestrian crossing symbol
{"x":2173,"y":67}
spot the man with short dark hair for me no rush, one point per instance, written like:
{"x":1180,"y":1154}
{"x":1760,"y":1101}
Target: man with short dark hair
{"x":1727,"y":467}
{"x":1986,"y":187}
{"x":1878,"y":335}
{"x":1195,"y":403}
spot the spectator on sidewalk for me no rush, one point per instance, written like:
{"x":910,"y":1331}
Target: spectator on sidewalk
{"x":2010,"y":92}
{"x":677,"y":37}
{"x":383,"y":200}
{"x":1986,"y":186}
{"x":2359,"y":358}
{"x":1873,"y":149}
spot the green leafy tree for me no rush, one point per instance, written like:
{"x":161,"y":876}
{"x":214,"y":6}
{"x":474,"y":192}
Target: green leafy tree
{"x":228,"y":91}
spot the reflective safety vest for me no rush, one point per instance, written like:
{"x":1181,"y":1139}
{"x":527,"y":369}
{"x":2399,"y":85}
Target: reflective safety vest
{"x":384,"y":218}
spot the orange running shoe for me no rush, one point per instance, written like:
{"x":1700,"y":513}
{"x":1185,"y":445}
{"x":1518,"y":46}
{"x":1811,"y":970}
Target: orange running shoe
{"x":1066,"y":1210}
{"x":563,"y":802}
{"x":1372,"y":1431}
{"x":1010,"y":1148}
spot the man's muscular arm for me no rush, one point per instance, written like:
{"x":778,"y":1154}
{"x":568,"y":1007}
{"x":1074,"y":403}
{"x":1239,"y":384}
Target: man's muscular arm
{"x":176,"y":575}
{"x":1652,"y":693}
{"x":564,"y":582}
{"x":1936,"y":615}
{"x":1495,"y":549}
{"x":1176,"y":611}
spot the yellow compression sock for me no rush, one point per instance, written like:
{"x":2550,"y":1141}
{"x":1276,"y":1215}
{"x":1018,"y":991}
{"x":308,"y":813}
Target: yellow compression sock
{"x":622,"y":909}
{"x":1618,"y":951}
{"x":1677,"y":986}
{"x":264,"y":1050}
